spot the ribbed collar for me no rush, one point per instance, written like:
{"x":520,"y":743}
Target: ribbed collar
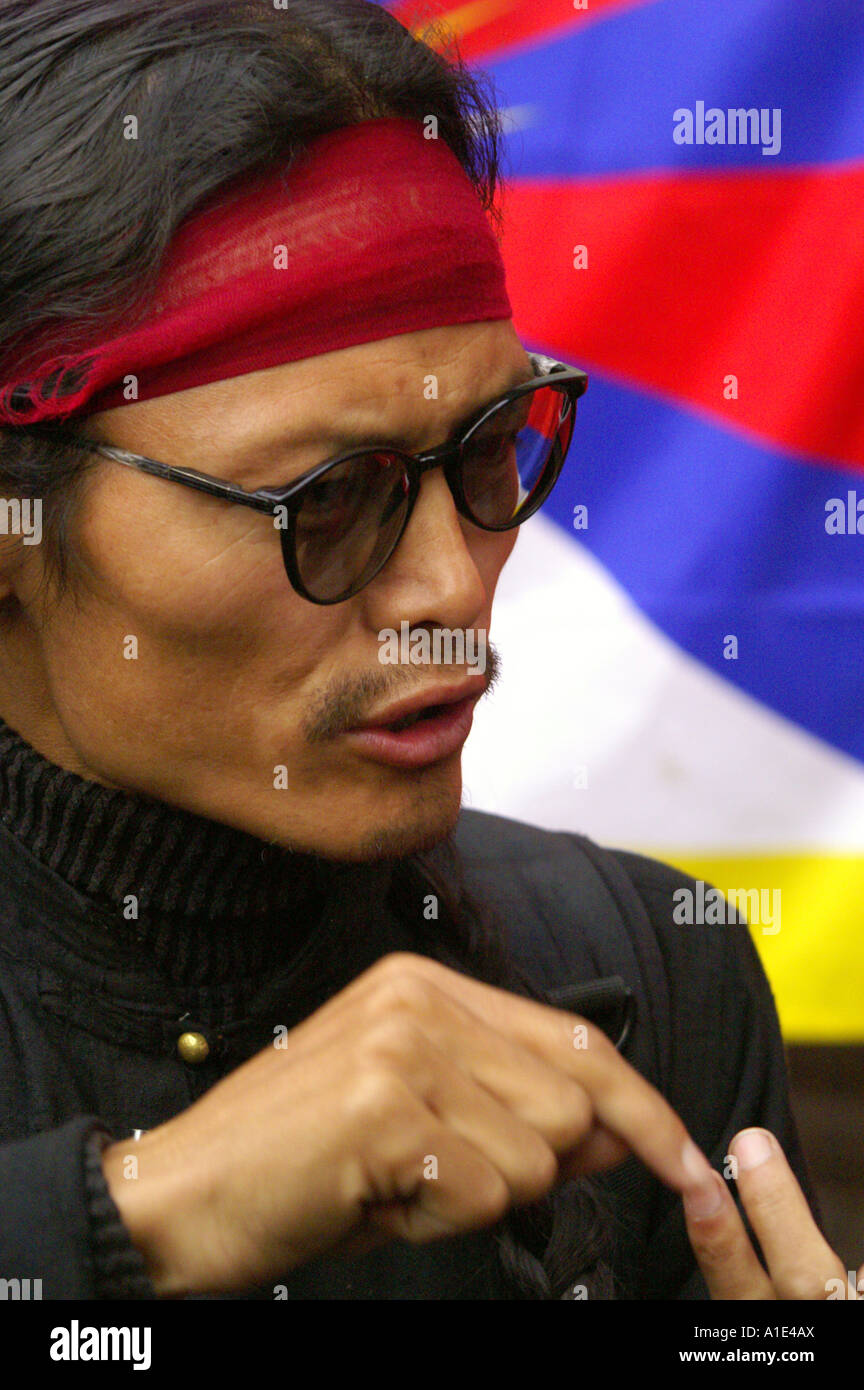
{"x":211,"y":901}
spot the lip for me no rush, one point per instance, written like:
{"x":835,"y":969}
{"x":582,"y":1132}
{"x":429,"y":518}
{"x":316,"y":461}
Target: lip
{"x":427,"y":742}
{"x":438,"y":695}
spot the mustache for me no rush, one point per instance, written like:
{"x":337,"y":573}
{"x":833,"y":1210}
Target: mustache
{"x":347,"y":702}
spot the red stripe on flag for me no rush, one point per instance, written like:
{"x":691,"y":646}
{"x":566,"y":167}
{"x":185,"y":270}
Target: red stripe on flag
{"x":698,"y":277}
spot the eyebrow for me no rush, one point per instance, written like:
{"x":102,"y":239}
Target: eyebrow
{"x":344,"y":440}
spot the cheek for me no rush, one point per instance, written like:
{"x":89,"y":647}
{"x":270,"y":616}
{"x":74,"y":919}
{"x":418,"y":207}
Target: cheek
{"x":491,"y":551}
{"x":180,"y":561}
{"x":197,"y":590}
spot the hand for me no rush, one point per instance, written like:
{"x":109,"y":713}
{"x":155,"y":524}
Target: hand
{"x":326,"y":1145}
{"x":801,"y":1264}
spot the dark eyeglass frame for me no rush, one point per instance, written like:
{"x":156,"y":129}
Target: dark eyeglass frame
{"x":447,"y":455}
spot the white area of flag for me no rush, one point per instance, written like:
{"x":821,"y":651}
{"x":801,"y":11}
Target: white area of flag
{"x":673,"y":755}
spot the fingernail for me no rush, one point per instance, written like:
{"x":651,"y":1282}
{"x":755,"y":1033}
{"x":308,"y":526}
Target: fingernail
{"x":752,"y":1148}
{"x":696,"y":1163}
{"x":702,"y":1202}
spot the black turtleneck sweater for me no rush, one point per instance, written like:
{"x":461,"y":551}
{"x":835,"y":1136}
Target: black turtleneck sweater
{"x":137,"y":922}
{"x":125,"y":923}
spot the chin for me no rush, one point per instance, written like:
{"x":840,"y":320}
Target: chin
{"x":423,"y":820}
{"x":398,"y":842}
{"x":392,"y":819}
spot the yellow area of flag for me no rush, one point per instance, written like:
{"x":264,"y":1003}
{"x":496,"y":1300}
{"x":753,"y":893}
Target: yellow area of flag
{"x":815,"y":962}
{"x":465,"y":18}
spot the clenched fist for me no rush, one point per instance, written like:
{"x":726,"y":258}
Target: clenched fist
{"x":321,"y":1146}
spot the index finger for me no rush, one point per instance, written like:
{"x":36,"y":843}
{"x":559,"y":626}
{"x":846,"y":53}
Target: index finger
{"x":622,"y":1100}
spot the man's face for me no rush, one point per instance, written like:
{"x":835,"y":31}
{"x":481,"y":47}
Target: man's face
{"x":183,"y":665}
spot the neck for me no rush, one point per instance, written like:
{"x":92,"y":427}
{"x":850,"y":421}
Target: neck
{"x":201,"y":899}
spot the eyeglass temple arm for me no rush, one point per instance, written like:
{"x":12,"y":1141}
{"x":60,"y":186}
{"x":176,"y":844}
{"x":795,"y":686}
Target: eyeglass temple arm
{"x":545,"y":366}
{"x":260,"y":500}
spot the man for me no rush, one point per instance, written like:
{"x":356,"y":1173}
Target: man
{"x":257,"y":1039}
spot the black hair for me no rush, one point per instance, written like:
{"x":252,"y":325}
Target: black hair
{"x":218,"y":87}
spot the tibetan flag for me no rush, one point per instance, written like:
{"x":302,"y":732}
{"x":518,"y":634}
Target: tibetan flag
{"x":682,"y":627}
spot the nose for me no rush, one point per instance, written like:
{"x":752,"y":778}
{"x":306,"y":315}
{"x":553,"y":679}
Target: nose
{"x":434,"y":575}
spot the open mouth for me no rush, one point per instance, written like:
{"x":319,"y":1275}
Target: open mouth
{"x":424,"y":736}
{"x":406,"y":722}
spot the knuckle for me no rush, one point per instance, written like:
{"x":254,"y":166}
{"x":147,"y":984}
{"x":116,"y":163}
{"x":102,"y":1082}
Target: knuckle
{"x":376,"y":1095}
{"x":392,"y":1040}
{"x":400,"y":989}
{"x":395,"y":964}
{"x":491,"y":1199}
{"x":539,"y":1172}
{"x":715,"y":1242}
{"x":571,"y":1121}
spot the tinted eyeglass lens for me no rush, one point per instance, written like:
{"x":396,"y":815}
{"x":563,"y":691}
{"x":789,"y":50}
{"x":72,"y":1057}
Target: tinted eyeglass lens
{"x":511,"y":459}
{"x":348,"y":522}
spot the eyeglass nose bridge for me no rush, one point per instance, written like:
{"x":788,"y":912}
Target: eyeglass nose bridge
{"x":447,"y":456}
{"x":436,"y":458}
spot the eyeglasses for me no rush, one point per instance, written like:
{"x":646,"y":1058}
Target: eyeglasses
{"x":341,"y":521}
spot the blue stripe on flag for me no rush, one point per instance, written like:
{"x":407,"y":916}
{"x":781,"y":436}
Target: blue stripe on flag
{"x":600,"y":99}
{"x":714,"y":535}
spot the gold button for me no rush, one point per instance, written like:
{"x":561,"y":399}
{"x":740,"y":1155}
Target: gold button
{"x":193,"y":1047}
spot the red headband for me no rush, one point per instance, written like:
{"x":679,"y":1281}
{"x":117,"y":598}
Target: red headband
{"x":381,"y":232}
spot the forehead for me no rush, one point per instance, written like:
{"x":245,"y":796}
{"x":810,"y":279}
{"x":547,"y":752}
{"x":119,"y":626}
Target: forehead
{"x":411,"y":384}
